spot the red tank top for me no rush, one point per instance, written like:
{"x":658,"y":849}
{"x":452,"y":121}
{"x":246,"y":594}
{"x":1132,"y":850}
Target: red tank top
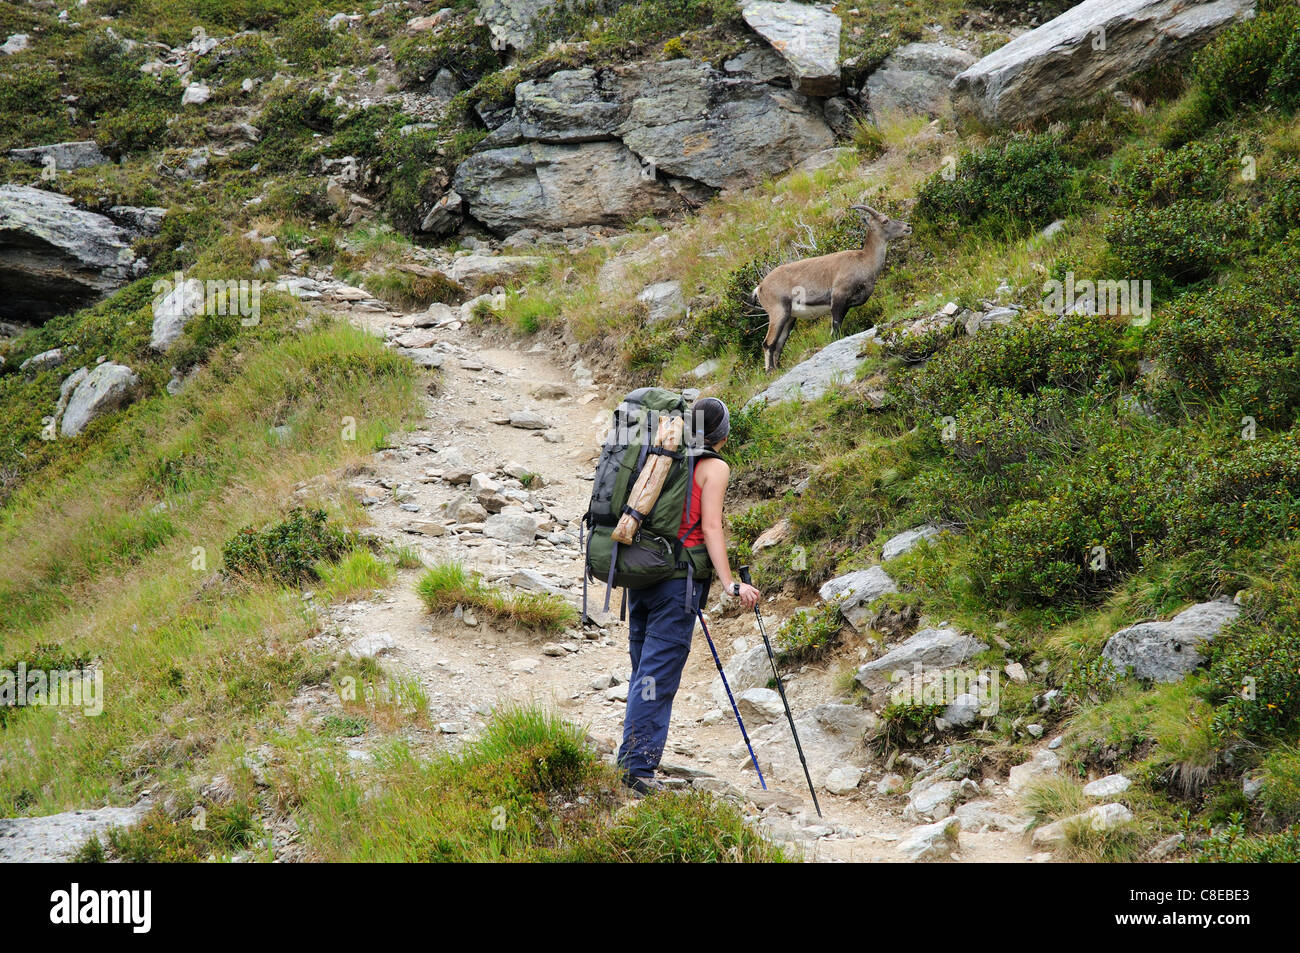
{"x":696,"y":535}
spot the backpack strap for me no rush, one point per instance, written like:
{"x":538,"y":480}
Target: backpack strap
{"x":682,"y":561}
{"x":585,"y":546}
{"x":613,"y":565}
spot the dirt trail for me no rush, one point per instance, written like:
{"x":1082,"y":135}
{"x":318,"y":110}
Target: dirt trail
{"x":468,"y":669}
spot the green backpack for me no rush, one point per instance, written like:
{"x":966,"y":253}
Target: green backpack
{"x":658,"y":552}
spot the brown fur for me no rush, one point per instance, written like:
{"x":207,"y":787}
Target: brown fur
{"x":832,"y":283}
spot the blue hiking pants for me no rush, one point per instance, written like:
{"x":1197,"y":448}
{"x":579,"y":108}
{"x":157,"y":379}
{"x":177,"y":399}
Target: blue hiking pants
{"x":660,"y":627}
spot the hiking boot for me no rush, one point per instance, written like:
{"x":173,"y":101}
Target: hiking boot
{"x":640,"y":787}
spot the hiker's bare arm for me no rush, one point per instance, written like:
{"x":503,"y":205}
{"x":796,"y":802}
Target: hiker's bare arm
{"x":712,"y":476}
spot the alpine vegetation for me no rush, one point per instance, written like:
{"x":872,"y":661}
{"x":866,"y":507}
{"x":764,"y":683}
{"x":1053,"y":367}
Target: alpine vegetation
{"x":412,"y":447}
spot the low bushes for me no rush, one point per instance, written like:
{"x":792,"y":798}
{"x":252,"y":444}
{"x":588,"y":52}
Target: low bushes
{"x":1017,"y":186}
{"x":808,"y":633}
{"x":1180,"y":244}
{"x":1073,"y":352}
{"x":1254,"y":62}
{"x":1254,"y":676}
{"x":287,"y":551}
{"x":1236,"y":344}
{"x":449,"y":586}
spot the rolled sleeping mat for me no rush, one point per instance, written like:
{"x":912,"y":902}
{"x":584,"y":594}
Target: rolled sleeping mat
{"x":650,"y":482}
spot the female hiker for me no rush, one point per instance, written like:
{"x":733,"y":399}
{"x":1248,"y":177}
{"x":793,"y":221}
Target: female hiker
{"x":661,"y":618}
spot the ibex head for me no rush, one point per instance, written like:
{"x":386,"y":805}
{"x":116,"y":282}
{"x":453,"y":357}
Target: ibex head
{"x":890,"y":227}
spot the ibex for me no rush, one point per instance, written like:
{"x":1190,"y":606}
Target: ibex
{"x":827,"y":284}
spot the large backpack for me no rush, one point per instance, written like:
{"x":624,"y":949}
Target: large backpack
{"x":658,"y":551}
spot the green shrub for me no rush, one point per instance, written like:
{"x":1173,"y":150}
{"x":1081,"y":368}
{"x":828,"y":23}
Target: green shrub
{"x":287,"y":551}
{"x":1282,"y":207}
{"x":1236,"y":343}
{"x":227,"y":829}
{"x":1072,"y":352}
{"x":45,"y":657}
{"x":1199,"y":171}
{"x":1254,"y":677}
{"x":463,"y":46}
{"x":693,"y":828}
{"x":287,"y":123}
{"x":1020,"y":185}
{"x":30,"y":108}
{"x":1252,"y":61}
{"x":809,"y":633}
{"x":1179,"y":244}
{"x":1077,"y":542}
{"x":1240,"y":498}
{"x":1280,"y":794}
{"x":132,"y":107}
{"x":411,"y":291}
{"x":449,"y":586}
{"x":308,"y":40}
{"x":1002,"y":428}
{"x":1232,"y":845}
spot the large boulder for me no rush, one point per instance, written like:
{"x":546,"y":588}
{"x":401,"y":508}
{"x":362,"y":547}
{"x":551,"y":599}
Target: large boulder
{"x":836,"y":363}
{"x":855,"y":591}
{"x":724,"y":132}
{"x":55,"y":257}
{"x":749,"y":669}
{"x":511,"y":22}
{"x":927,"y":649}
{"x":105,"y":388}
{"x":172,"y":312}
{"x":579,"y":105}
{"x":1167,"y":651}
{"x":1087,"y":50}
{"x":914,"y":80}
{"x":808,"y":39}
{"x":825,"y":747}
{"x":591,"y":147}
{"x":554,"y":186}
{"x":62,"y":156}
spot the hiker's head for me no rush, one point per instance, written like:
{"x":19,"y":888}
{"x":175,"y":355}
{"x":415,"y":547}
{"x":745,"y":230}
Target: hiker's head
{"x":710,"y":422}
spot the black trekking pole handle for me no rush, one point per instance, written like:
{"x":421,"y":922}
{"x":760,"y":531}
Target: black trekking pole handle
{"x":780,"y":687}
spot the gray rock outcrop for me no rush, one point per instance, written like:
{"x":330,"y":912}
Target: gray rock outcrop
{"x":1167,"y":651}
{"x":914,"y":80}
{"x":56,"y":838}
{"x":55,"y":257}
{"x":929,"y":648}
{"x":855,"y":591}
{"x":172,"y":312}
{"x":806,"y":37}
{"x":590,"y":147}
{"x":62,"y":156}
{"x":1087,"y":50}
{"x":836,"y":363}
{"x":105,"y":388}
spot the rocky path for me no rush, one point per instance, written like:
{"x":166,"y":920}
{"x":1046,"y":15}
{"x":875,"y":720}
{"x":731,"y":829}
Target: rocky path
{"x":452,"y":490}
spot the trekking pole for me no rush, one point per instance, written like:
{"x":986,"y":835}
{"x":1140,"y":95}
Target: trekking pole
{"x":744,"y":576}
{"x":723,"y":675}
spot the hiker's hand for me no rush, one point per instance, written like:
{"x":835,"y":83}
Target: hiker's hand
{"x":749,"y":596}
